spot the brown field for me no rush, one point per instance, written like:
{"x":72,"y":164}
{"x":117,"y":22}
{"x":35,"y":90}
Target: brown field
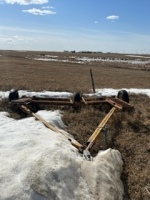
{"x":128,"y":132}
{"x":20,"y":70}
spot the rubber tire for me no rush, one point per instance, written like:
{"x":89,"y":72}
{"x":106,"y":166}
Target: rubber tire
{"x":77,"y":97}
{"x":13,"y":95}
{"x":123,"y":95}
{"x":76,"y":101}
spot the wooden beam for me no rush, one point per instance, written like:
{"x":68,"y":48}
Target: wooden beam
{"x":50,"y":126}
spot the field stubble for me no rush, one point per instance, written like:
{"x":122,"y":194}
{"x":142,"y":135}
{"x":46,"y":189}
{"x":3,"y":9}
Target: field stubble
{"x":20,"y":70}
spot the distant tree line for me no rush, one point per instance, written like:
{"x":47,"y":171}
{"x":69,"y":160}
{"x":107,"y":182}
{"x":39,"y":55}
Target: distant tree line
{"x":83,"y":51}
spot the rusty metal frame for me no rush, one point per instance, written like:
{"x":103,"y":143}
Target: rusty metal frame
{"x":114,"y":102}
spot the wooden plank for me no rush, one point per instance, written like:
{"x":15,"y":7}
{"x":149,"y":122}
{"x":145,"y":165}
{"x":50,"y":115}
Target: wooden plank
{"x":50,"y":126}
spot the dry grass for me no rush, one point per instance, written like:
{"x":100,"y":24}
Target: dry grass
{"x":133,"y":141}
{"x":128,"y":132}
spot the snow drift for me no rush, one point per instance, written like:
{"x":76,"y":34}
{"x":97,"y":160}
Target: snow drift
{"x":38,"y":164}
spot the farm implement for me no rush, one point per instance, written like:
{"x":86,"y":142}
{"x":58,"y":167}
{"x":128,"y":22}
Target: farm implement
{"x":30,"y":105}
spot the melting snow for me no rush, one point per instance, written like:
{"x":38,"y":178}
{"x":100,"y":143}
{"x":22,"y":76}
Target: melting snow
{"x":110,"y":91}
{"x":84,"y":60}
{"x":87,"y":59}
{"x":136,"y":56}
{"x":54,"y":59}
{"x":39,"y":164}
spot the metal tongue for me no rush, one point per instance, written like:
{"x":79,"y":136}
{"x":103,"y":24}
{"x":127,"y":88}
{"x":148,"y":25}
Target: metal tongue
{"x":87,"y":155}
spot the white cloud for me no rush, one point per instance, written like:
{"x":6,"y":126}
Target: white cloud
{"x":24,"y":2}
{"x":9,"y":41}
{"x":112,"y":17}
{"x":16,"y":36}
{"x":55,"y":39}
{"x":47,"y":7}
{"x":36,"y":11}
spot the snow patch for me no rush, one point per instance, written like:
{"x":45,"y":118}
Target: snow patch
{"x":99,"y":92}
{"x":111,"y":91}
{"x":137,"y":56}
{"x":38,"y":164}
{"x":84,"y":60}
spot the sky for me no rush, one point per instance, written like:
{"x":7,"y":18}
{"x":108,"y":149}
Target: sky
{"x":119,"y":26}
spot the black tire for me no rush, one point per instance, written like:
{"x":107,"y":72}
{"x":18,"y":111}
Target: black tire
{"x":76,"y":101}
{"x":13,"y":95}
{"x":123,"y":95}
{"x":77,"y":97}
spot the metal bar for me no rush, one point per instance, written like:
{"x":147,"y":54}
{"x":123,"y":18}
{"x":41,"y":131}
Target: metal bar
{"x":21,"y":100}
{"x":52,"y":102}
{"x":92,"y":79}
{"x":51,"y":98}
{"x":95,"y":102}
{"x":118,"y":103}
{"x":84,"y":100}
{"x":99,"y":128}
{"x":50,"y":126}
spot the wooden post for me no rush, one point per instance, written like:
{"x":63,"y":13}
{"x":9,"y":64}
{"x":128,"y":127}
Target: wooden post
{"x":92,"y":79}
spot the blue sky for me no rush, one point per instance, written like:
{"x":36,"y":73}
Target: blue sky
{"x":121,"y":26}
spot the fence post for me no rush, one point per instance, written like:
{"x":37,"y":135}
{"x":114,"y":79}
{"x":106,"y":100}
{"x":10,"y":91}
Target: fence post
{"x":92,"y":79}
